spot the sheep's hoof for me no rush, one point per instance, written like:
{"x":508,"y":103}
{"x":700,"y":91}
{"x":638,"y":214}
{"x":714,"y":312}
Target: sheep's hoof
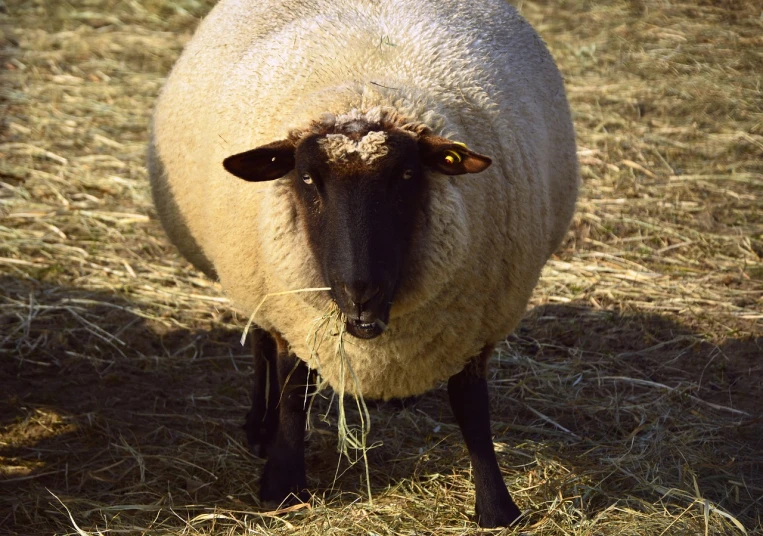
{"x":497,"y":513}
{"x":282,"y":484}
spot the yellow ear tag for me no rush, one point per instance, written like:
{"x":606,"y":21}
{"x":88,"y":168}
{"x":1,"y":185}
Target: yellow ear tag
{"x":452,"y":157}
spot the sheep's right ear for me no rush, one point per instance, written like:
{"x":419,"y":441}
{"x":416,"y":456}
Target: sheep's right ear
{"x":266,"y":163}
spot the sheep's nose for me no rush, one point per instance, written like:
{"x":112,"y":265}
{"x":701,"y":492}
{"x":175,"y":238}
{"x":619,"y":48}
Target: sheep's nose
{"x":359,"y":293}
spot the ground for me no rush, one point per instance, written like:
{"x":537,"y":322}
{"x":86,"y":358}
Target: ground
{"x":628,"y":402}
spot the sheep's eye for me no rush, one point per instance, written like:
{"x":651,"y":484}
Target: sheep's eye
{"x":407,"y":174}
{"x":307,"y":179}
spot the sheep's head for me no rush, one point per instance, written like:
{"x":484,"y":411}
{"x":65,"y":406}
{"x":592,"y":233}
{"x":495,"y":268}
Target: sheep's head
{"x":359,"y":185}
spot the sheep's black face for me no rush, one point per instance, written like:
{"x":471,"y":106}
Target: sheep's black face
{"x":359,"y":189}
{"x":359,"y":199}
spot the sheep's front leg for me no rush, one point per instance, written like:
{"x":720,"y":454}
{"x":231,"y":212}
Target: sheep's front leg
{"x":283,"y":478}
{"x":467,"y":391}
{"x":262,"y":419}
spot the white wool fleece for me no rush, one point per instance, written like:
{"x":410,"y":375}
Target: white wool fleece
{"x":472,"y":71}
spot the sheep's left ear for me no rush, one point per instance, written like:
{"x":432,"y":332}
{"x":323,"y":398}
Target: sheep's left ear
{"x":449,"y":157}
{"x":265,"y":163}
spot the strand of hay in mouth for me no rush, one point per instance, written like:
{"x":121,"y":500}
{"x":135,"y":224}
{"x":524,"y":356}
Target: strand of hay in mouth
{"x":283,"y":293}
{"x":348,"y":436}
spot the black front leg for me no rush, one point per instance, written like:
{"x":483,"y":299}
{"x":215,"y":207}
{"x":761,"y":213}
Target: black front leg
{"x":467,"y":391}
{"x":262,"y":419}
{"x":283,"y":478}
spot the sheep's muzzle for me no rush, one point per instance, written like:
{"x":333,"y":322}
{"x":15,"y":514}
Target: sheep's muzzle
{"x":365,"y":307}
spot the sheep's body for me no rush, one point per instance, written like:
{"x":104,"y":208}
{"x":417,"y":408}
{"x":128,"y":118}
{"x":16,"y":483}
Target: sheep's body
{"x":473,"y":71}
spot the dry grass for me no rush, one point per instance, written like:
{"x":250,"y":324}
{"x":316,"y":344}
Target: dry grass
{"x":627,"y":403}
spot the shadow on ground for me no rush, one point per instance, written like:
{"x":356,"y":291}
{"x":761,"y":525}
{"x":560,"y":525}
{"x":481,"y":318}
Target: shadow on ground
{"x":118,"y":416}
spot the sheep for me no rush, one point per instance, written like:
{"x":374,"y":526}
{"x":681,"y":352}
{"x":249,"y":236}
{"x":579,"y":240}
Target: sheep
{"x":416,"y":158}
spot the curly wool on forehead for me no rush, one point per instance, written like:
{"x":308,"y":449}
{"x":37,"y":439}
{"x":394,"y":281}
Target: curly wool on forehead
{"x":340,"y":147}
{"x":355,"y":134}
{"x":358,"y":134}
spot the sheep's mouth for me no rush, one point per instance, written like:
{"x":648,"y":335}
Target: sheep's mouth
{"x":366,"y":321}
{"x":364,"y":330}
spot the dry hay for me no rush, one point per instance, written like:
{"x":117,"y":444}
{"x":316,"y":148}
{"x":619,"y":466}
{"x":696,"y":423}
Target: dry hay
{"x":627,"y":403}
